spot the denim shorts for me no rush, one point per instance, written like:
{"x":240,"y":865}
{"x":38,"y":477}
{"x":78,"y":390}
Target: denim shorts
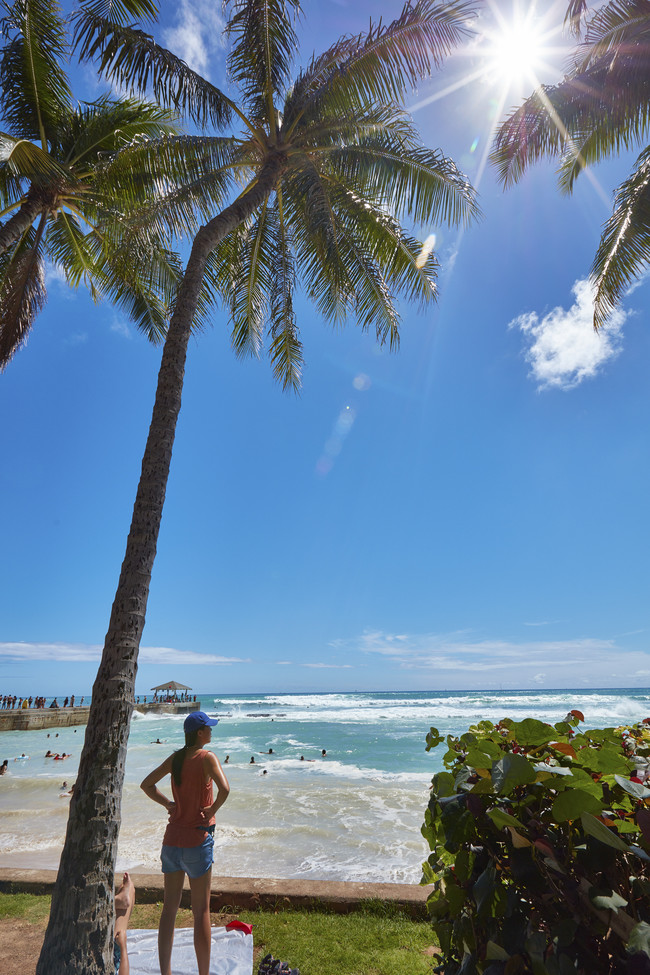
{"x":194,"y":860}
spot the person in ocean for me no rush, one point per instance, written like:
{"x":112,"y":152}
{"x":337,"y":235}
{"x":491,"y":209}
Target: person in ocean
{"x":188,"y":841}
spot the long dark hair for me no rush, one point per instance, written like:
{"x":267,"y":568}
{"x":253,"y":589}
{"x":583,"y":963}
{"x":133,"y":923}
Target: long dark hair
{"x":179,"y":757}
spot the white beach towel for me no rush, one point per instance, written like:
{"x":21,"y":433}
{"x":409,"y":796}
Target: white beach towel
{"x":232,"y":952}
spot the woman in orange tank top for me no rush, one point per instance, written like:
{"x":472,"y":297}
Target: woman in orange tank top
{"x":188,"y":842}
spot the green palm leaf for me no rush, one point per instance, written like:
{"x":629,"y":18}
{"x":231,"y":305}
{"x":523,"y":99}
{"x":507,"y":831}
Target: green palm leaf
{"x":25,"y":160}
{"x":132,"y":59}
{"x":380,"y":66}
{"x":264,"y":44}
{"x":121,"y":11}
{"x":624,"y":249}
{"x":35,"y":87}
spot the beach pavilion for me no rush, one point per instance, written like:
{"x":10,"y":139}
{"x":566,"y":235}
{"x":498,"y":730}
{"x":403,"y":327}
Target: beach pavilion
{"x":170,"y":686}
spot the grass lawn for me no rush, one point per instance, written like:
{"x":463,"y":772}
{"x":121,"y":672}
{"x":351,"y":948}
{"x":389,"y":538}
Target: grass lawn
{"x":376,"y":940}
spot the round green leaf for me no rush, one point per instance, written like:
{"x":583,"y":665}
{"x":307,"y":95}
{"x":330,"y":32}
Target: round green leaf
{"x":572,"y":802}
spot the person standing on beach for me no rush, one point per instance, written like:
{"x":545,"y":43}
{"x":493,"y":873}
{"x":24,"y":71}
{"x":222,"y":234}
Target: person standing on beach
{"x":188,"y":841}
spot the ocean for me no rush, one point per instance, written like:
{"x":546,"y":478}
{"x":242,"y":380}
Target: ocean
{"x":354,"y":814}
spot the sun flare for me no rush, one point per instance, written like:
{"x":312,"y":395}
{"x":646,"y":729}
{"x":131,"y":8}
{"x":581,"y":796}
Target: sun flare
{"x":516,"y":52}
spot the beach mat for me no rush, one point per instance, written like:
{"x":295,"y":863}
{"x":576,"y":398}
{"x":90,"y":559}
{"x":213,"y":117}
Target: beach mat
{"x":232,"y":952}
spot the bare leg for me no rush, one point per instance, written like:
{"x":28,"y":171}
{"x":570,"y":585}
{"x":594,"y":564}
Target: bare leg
{"x":200,"y":887}
{"x":124,"y":901}
{"x":172,"y":900}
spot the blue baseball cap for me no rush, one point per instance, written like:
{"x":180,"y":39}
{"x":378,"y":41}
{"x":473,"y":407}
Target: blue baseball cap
{"x":199,"y":719}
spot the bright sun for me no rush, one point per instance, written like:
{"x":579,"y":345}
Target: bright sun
{"x":515,"y":53}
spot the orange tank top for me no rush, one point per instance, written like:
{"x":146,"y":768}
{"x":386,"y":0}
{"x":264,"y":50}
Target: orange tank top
{"x":187,"y":825}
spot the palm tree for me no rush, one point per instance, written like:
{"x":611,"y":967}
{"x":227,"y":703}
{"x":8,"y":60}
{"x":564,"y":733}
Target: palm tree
{"x":310,"y":190}
{"x":600,"y":107}
{"x":54,"y":190}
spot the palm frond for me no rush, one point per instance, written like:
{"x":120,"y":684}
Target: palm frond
{"x":264,"y":44}
{"x":26,"y":160}
{"x":165,"y":187}
{"x":617,"y":30}
{"x":409,"y":179}
{"x":576,"y":10}
{"x":103,"y":127}
{"x":132,"y":59}
{"x":35,"y":86}
{"x":121,"y":11}
{"x":600,"y":108}
{"x":624,"y":249}
{"x":252,"y":284}
{"x":285,"y":350}
{"x":381,"y":65}
{"x":22,"y":293}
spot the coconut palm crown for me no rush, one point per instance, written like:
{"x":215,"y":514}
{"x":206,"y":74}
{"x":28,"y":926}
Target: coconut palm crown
{"x":54,"y":204}
{"x":308,"y":191}
{"x":341,"y":162}
{"x":602,"y":106}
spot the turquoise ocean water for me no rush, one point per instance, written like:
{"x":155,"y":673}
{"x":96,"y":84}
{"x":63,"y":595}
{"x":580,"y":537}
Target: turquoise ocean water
{"x":353,"y":815}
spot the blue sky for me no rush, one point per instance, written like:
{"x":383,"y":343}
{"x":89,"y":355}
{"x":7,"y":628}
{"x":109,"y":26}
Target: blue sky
{"x":470,"y":512}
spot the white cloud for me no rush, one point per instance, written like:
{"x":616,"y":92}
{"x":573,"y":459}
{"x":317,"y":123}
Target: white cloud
{"x":120,"y":327}
{"x":563,"y":348}
{"x":90,"y":652}
{"x":197,"y":34}
{"x":457,"y":660}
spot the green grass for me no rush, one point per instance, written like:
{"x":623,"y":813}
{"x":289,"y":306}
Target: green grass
{"x":376,"y":940}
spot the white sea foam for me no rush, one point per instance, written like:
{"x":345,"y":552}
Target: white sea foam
{"x":353,"y":815}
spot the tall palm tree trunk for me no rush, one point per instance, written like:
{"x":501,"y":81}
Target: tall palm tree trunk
{"x":79,"y":936}
{"x":16,"y":225}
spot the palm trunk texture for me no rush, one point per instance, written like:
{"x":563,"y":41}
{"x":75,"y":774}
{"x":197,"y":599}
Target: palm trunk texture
{"x":79,"y":936}
{"x":15,"y":227}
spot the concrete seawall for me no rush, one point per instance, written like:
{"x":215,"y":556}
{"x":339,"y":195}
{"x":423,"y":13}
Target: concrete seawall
{"x":248,"y":893}
{"x":33,"y":719}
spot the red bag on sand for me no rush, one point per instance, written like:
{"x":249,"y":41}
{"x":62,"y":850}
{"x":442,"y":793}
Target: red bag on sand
{"x":240,"y":926}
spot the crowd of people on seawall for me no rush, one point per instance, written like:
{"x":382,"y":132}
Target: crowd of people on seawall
{"x":10,"y":702}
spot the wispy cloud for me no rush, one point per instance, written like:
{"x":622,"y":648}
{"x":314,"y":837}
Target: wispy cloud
{"x":460,"y":661}
{"x":91,"y":652}
{"x":197,"y":34}
{"x":120,"y":327}
{"x":321,"y":666}
{"x":562,"y":347}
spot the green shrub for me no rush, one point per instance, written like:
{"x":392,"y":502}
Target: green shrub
{"x":540,"y":840}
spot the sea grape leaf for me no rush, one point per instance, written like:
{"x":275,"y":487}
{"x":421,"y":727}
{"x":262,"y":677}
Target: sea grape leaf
{"x":518,"y":841}
{"x":433,"y":739}
{"x":570,"y":803}
{"x":484,"y":889}
{"x":478,"y":759}
{"x":564,"y":932}
{"x":577,"y":714}
{"x":531,"y":732}
{"x":511,"y":771}
{"x":606,"y":899}
{"x":639,"y":940}
{"x":501,"y":818}
{"x":553,"y":769}
{"x":494,"y":952}
{"x":603,"y":759}
{"x":634,"y":788}
{"x":600,"y":832}
{"x":443,"y":784}
{"x":483,"y":786}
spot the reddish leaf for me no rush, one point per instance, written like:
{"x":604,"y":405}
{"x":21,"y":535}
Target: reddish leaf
{"x":643,"y":821}
{"x":565,"y":749}
{"x":546,"y":848}
{"x":578,"y":714}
